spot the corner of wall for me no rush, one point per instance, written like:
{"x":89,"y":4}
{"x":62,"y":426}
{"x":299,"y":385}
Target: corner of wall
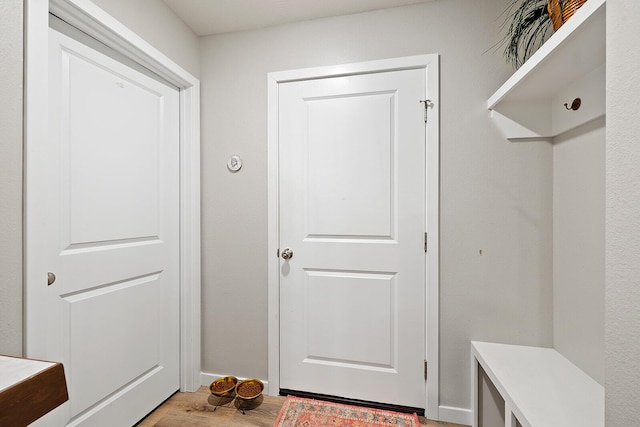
{"x":11,"y":33}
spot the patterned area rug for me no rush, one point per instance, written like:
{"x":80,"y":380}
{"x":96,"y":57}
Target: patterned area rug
{"x":298,"y":412}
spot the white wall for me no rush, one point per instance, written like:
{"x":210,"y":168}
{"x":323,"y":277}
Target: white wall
{"x":11,"y":177}
{"x":622,"y":357}
{"x":578,"y":246}
{"x":495,"y":196}
{"x":152,"y":20}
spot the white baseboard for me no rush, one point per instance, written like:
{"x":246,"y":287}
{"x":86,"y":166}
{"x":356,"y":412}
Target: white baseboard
{"x":455,"y":415}
{"x":207,"y":378}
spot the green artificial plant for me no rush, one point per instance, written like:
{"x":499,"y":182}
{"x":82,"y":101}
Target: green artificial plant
{"x":527,"y":25}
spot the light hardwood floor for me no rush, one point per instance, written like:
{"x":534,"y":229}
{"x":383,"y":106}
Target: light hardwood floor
{"x":197,"y":410}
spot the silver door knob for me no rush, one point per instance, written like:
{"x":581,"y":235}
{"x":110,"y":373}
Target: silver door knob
{"x":287,"y":254}
{"x":50,"y":278}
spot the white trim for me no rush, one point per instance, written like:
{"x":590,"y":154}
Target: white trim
{"x":206,"y":378}
{"x":451,"y":414}
{"x":475,"y":371}
{"x":190,"y":317}
{"x":431,"y":64}
{"x":273,"y":231}
{"x":89,"y":18}
{"x":92,"y":20}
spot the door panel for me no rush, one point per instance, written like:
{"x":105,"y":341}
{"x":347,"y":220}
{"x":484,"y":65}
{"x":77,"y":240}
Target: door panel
{"x":110,"y":184}
{"x":127,"y":346}
{"x":350,"y":191}
{"x":108,"y":206}
{"x":329,"y":341}
{"x":352,"y":209}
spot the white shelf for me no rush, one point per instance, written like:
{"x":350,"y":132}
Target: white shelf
{"x":530,"y":105}
{"x":540,"y":386}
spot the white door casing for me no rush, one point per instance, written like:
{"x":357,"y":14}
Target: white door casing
{"x":363,"y":275}
{"x":99,"y":25}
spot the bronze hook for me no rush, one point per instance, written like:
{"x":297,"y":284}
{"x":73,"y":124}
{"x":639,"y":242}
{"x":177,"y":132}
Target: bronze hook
{"x":575,"y":105}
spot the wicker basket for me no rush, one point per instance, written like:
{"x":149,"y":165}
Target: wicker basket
{"x":561,"y":10}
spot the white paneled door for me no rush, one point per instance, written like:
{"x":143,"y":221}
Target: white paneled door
{"x":107,"y":184}
{"x":352,"y":222}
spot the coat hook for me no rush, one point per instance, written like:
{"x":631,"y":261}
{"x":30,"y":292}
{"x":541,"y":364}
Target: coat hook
{"x":575,"y":105}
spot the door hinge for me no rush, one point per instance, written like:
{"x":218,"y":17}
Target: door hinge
{"x":425,"y":370}
{"x":425,"y":242}
{"x":427,"y":104}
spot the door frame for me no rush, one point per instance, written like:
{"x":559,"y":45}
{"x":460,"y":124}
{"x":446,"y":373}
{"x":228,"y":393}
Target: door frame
{"x":89,"y":18}
{"x":431,"y":65}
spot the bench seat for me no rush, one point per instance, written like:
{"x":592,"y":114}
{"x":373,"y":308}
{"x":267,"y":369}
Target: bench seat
{"x":540,"y":387}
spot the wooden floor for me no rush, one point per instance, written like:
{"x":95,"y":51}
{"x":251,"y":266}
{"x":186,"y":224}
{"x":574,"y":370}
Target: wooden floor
{"x":197,"y":410}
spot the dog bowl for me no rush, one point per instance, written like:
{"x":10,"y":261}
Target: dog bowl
{"x":249,"y":389}
{"x":223,"y":386}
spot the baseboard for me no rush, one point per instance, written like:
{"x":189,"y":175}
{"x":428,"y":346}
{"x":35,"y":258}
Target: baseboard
{"x":455,"y":415}
{"x":207,"y":378}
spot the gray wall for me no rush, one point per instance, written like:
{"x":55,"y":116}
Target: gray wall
{"x":622,"y":357}
{"x":152,"y":20}
{"x":11,"y":177}
{"x":578,"y":247}
{"x":158,"y":25}
{"x":495,"y":196}
{"x":490,"y":402}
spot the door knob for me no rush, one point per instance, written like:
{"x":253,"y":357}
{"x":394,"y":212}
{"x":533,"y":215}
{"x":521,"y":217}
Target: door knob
{"x":287,"y":254}
{"x":50,"y":278}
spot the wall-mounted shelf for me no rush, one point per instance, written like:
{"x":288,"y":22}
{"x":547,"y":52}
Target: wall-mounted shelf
{"x":571,"y":64}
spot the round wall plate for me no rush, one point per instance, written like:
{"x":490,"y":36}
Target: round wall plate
{"x":235,"y":163}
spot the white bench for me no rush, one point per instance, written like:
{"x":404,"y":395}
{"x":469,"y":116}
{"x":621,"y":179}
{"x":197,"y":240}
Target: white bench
{"x":540,"y":387}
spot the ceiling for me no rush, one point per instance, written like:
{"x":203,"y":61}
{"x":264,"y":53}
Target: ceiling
{"x":207,"y":17}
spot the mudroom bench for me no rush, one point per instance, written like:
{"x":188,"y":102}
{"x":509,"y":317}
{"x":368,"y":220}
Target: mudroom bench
{"x":540,"y":387}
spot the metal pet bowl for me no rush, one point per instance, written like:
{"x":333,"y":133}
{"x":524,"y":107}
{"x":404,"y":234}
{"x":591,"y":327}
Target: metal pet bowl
{"x":224,"y":386}
{"x":249,"y":389}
